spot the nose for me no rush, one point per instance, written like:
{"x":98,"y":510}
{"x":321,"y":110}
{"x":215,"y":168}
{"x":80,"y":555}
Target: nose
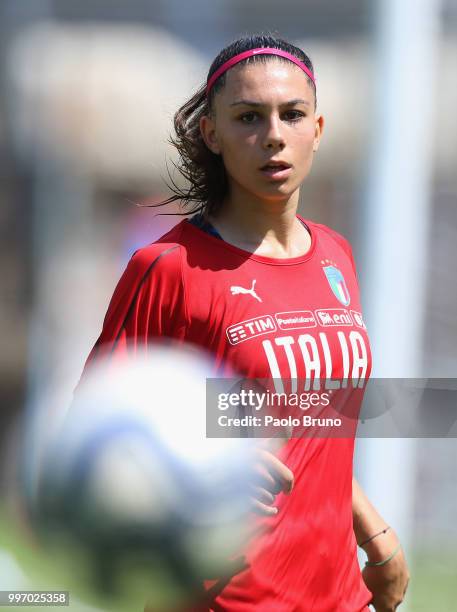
{"x":274,"y":138}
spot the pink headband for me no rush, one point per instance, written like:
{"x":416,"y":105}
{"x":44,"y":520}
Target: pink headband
{"x":260,"y":51}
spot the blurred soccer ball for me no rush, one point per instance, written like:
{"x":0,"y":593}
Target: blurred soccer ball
{"x":129,"y":495}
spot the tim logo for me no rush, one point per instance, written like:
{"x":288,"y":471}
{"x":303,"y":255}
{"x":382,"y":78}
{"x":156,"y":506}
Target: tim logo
{"x":250,"y":329}
{"x":358,"y":319}
{"x":296,"y":319}
{"x":337,"y":284}
{"x":332,"y":317}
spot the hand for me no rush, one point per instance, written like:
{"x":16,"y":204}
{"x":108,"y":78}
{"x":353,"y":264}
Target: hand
{"x":270,"y":477}
{"x":388,"y":583}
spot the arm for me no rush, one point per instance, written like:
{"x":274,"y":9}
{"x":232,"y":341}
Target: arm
{"x":388,"y":582}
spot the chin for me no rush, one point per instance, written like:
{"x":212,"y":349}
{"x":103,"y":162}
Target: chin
{"x":277,"y":193}
{"x":276,"y":198}
{"x":269,"y":192}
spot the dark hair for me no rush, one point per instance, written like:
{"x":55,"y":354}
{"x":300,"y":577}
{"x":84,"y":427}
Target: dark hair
{"x":203,"y":170}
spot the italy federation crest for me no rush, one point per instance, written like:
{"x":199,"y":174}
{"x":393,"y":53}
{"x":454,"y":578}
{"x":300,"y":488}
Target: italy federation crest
{"x":337,"y":284}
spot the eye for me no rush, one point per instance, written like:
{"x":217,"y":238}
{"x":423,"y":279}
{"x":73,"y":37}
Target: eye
{"x":248,"y":117}
{"x":293,"y":115}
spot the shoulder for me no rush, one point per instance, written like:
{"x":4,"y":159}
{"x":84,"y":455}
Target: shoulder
{"x":325,"y":233}
{"x":163,"y":256}
{"x":330,"y":234}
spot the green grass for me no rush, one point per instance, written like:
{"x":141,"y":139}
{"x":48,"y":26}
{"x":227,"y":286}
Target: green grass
{"x":433,"y":584}
{"x":432,"y":588}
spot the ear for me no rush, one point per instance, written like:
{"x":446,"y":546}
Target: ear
{"x":209,"y":135}
{"x":318,"y":131}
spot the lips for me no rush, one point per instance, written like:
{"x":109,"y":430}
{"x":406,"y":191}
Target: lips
{"x":278,"y":166}
{"x":276,"y":170}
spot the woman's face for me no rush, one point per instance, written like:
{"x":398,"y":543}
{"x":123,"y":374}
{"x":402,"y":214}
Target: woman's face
{"x":265,"y":127}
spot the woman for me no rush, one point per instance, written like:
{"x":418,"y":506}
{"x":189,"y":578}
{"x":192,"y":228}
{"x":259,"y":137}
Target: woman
{"x":264,"y":290}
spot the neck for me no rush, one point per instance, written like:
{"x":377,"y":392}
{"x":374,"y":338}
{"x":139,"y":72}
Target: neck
{"x":267,"y":227}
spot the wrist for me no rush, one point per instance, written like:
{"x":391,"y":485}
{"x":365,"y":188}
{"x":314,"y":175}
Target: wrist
{"x":381,"y":547}
{"x":385,"y":560}
{"x":365,"y":540}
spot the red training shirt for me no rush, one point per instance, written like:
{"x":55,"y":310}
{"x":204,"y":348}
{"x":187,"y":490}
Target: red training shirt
{"x":263,"y":317}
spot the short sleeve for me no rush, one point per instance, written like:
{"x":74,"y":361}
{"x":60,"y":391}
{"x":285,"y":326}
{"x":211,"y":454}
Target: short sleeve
{"x":148,"y":302}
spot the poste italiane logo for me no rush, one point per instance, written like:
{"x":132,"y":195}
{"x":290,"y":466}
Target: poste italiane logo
{"x":336,"y":282}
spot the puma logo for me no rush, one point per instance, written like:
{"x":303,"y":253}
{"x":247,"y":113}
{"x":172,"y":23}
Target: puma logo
{"x":236,"y":290}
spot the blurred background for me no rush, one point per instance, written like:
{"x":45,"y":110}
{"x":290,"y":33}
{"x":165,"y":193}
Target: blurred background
{"x":87,"y":95}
